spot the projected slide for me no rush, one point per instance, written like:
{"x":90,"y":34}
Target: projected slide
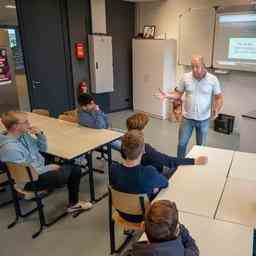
{"x":242,"y":48}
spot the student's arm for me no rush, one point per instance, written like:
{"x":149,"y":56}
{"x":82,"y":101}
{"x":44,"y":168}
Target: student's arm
{"x":172,"y":162}
{"x":154,"y":179}
{"x":95,"y":119}
{"x":40,"y":140}
{"x":13,"y":156}
{"x":189,"y":243}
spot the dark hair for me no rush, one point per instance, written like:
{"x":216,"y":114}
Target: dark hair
{"x":137,"y":121}
{"x":132,"y":144}
{"x":161,"y":221}
{"x":84,"y":99}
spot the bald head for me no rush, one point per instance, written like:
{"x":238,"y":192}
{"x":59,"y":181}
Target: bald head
{"x":198,"y":66}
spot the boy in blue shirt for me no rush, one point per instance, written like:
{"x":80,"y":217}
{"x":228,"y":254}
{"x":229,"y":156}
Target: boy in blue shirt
{"x":91,"y":116}
{"x":133,"y":177}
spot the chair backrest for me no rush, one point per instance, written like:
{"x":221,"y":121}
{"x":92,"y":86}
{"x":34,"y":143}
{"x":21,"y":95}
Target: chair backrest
{"x":42,"y":112}
{"x":68,"y":118}
{"x":134,"y":204}
{"x":20,"y":172}
{"x":71,"y":112}
{"x":3,"y":176}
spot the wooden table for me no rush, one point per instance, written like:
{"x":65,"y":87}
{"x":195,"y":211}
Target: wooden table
{"x":238,"y":203}
{"x":219,"y":161}
{"x":217,"y":238}
{"x":69,"y":140}
{"x":196,"y":193}
{"x":244,"y":166}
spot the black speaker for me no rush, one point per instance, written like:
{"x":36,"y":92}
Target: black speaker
{"x":224,"y":123}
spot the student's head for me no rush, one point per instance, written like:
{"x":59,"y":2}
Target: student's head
{"x":137,"y":121}
{"x":16,"y":122}
{"x":86,"y":102}
{"x":198,"y":66}
{"x":162,"y":221}
{"x":132,"y":145}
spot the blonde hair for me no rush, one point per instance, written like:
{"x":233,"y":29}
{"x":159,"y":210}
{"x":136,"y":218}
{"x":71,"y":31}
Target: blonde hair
{"x":137,"y":121}
{"x":11,"y":118}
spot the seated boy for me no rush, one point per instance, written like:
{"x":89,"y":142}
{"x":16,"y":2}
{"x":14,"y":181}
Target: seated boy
{"x":152,"y":156}
{"x":166,"y":236}
{"x":90,"y":115}
{"x":22,"y":143}
{"x":132,"y":177}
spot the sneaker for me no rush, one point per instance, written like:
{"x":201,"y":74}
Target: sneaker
{"x":80,"y":206}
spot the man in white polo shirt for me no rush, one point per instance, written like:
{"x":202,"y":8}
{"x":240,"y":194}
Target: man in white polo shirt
{"x":203,"y":95}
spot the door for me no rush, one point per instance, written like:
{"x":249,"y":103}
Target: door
{"x":120,"y":25}
{"x":46,"y":51}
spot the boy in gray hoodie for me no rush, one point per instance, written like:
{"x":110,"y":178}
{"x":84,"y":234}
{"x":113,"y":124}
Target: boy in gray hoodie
{"x":22,"y":144}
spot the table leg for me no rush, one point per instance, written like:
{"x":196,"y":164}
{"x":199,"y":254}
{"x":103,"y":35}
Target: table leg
{"x":109,"y":159}
{"x":91,"y":179}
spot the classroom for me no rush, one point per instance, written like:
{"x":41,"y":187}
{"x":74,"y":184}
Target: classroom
{"x":127,"y":127}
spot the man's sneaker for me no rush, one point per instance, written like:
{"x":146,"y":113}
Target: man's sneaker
{"x":80,"y":206}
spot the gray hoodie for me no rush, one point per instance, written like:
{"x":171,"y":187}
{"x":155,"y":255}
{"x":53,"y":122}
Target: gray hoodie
{"x":25,"y":150}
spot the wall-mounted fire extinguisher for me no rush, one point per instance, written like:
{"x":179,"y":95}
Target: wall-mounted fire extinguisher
{"x":83,"y":88}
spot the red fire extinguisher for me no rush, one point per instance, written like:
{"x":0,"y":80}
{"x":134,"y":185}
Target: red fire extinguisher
{"x":83,"y":88}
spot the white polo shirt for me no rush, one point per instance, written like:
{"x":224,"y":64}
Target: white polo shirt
{"x":198,"y":95}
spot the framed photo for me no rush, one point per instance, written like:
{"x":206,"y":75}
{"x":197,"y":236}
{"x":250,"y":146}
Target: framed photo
{"x":149,"y":32}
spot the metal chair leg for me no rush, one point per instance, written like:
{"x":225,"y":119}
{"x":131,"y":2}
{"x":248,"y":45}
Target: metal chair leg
{"x":112,"y":237}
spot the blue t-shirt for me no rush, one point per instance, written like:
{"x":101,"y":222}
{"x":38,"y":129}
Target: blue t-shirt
{"x":136,"y":180}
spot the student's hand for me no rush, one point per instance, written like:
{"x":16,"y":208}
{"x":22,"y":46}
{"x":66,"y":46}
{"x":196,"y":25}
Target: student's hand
{"x":201,"y":160}
{"x":34,"y":130}
{"x":53,"y":167}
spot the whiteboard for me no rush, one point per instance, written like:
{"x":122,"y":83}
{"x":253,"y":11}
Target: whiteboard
{"x":196,"y":33}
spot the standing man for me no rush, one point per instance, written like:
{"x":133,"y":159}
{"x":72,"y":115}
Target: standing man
{"x":202,"y":95}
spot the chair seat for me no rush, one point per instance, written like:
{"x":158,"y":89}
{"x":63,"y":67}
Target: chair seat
{"x":126,"y":224}
{"x":28,"y":195}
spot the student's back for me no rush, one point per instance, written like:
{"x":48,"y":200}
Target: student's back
{"x":138,"y":179}
{"x":132,"y":177}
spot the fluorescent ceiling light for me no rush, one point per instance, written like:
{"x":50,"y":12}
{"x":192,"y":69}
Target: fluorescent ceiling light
{"x":10,"y":6}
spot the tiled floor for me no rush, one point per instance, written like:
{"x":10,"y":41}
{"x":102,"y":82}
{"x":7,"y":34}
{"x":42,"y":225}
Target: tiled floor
{"x":87,"y":234}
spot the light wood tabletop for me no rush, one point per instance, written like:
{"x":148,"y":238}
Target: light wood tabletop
{"x":244,"y":166}
{"x":69,"y":140}
{"x":238,"y":203}
{"x":219,"y":161}
{"x":215,"y":237}
{"x":197,"y":193}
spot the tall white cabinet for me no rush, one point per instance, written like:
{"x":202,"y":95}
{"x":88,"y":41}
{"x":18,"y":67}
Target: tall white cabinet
{"x":154,"y":67}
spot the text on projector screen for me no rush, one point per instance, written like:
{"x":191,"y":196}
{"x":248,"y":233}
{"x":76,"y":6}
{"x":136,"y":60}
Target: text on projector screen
{"x":242,"y":48}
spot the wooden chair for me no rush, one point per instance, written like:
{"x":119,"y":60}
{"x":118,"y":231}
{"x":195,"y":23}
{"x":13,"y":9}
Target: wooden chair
{"x":68,"y":118}
{"x":43,"y":112}
{"x":133,"y":204}
{"x":19,"y":173}
{"x":3,"y":184}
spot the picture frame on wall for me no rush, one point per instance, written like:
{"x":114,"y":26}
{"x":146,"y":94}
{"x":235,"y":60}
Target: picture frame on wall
{"x":149,"y":31}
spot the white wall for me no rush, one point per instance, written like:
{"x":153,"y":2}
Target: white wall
{"x":239,"y":87}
